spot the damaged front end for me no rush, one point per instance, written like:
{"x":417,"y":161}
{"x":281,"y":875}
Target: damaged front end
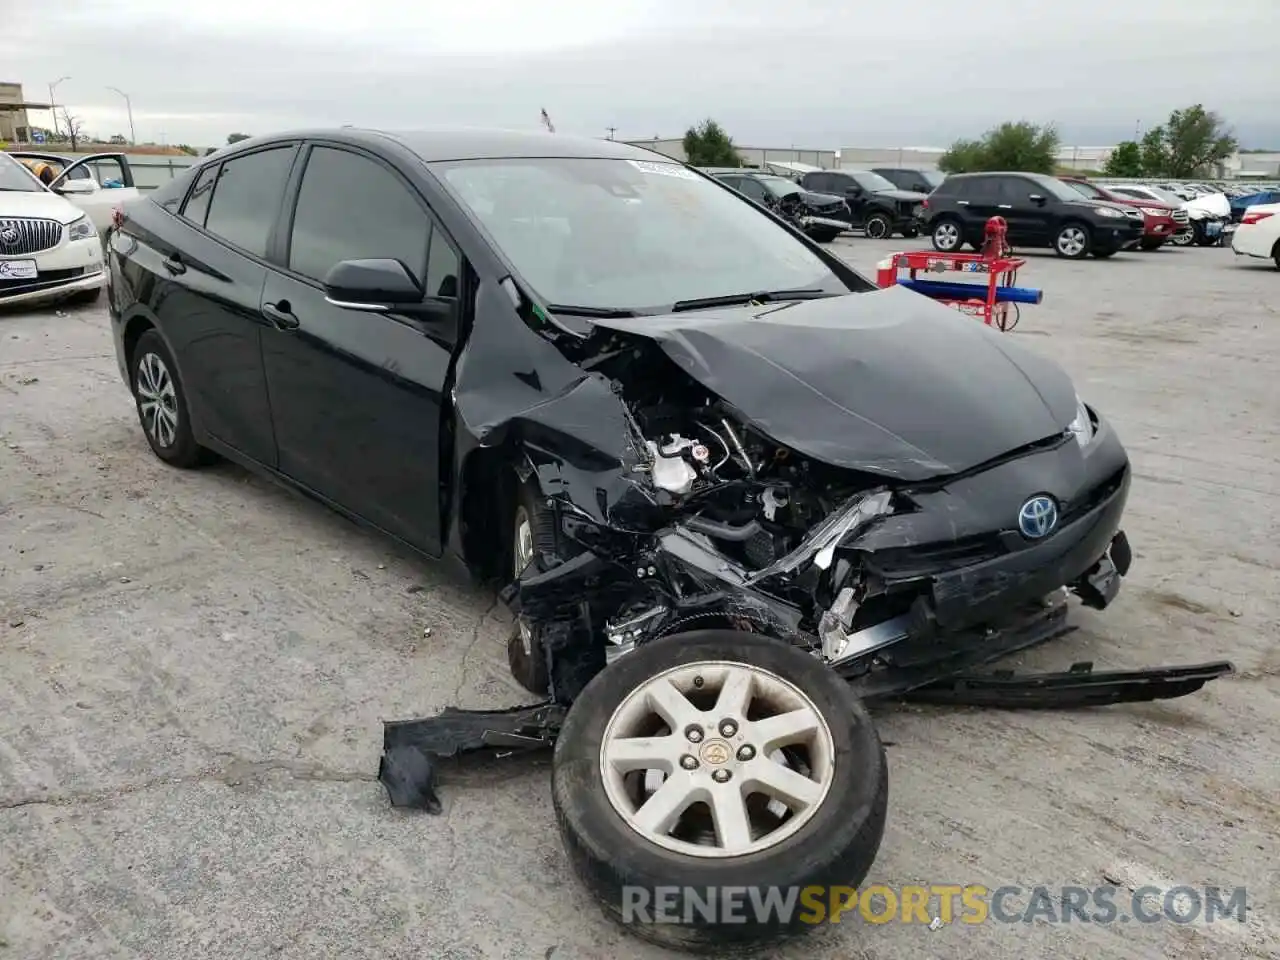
{"x":686,"y":494}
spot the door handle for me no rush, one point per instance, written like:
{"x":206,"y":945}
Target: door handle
{"x":280,"y":316}
{"x":1006,"y":206}
{"x":175,"y":265}
{"x":962,"y":203}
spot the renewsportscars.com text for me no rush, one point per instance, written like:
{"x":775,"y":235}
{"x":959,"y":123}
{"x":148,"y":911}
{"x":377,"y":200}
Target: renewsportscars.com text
{"x":934,"y":904}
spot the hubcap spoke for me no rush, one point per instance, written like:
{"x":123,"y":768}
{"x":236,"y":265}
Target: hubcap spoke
{"x":785,"y":729}
{"x":643,"y":753}
{"x":672,"y":705}
{"x":782,"y":783}
{"x":735,"y":695}
{"x":733,"y":828}
{"x":662,"y":810}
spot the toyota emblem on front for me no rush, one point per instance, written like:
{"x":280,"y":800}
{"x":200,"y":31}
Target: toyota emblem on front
{"x":1038,"y":517}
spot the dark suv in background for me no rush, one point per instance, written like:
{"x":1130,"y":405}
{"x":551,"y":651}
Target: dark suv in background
{"x":875,"y":204}
{"x":916,"y":179}
{"x":1041,"y":212}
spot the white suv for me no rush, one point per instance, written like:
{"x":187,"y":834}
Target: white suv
{"x":49,"y":249}
{"x":1258,"y":234}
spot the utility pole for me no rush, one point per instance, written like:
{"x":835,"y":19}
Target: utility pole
{"x":611,"y":130}
{"x":53,"y":107}
{"x":128,"y":106}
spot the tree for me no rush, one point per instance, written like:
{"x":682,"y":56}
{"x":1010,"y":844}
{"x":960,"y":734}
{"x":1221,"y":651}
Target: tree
{"x":1190,"y":142}
{"x":1125,"y":160}
{"x":1010,"y":146}
{"x":74,"y":127}
{"x":707,"y":145}
{"x":236,"y":138}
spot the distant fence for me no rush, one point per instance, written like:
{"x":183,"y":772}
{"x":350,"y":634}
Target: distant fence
{"x":150,"y":172}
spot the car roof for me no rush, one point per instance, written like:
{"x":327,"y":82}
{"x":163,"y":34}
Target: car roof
{"x":433,"y":145}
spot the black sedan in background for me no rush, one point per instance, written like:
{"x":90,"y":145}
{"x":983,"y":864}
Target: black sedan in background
{"x":728,"y":483}
{"x":821,"y":215}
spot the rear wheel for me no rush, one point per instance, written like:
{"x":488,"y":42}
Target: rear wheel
{"x":162,"y":403}
{"x":824,"y":234}
{"x":1104,"y":254}
{"x":724,"y":768}
{"x":1072,"y":241}
{"x":1151,"y":243}
{"x":879,"y":226}
{"x":1275,"y":254}
{"x":947,"y":237}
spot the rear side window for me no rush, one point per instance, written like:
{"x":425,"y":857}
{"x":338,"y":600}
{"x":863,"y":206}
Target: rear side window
{"x":197,"y":205}
{"x":246,"y":198}
{"x":353,"y":208}
{"x":978,"y":188}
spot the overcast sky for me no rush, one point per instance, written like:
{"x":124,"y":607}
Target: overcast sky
{"x":809,"y":73}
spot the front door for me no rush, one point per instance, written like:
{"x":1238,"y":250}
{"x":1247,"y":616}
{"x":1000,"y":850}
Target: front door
{"x":1028,"y":219}
{"x":356,"y":396}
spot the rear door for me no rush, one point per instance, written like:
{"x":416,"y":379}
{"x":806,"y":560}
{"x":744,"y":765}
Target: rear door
{"x":977,"y":201}
{"x":208,"y":280}
{"x":1029,"y":220}
{"x":356,"y":397}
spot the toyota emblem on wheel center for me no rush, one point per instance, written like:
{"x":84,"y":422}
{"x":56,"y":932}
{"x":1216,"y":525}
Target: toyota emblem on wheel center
{"x":1038,"y":517}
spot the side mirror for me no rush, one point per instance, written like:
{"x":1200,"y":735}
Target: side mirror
{"x":76,"y":187}
{"x":378,"y":286}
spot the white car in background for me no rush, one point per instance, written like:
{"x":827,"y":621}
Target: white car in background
{"x":1258,"y":234}
{"x":97,"y":184}
{"x":49,"y":249}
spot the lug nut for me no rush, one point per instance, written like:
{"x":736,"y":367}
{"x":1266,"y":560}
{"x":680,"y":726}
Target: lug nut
{"x":721,"y":776}
{"x":689,"y":762}
{"x":728,"y":728}
{"x":694,"y":734}
{"x":746,"y":752}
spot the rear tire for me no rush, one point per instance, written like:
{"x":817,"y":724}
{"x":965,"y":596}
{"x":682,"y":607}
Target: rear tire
{"x":533,"y":535}
{"x":1275,"y":254}
{"x":623,"y":860}
{"x":1154,"y":243}
{"x":161,"y":402}
{"x":1104,"y":254}
{"x":878,"y":226}
{"x":824,"y":235}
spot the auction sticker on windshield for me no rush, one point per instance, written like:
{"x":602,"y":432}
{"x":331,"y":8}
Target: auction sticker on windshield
{"x":663,"y":169}
{"x":17,"y":269}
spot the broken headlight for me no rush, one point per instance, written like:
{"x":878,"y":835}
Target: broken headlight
{"x":1082,"y":425}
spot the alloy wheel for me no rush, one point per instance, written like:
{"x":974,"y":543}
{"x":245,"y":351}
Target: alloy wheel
{"x":717,"y":759}
{"x":157,"y":400}
{"x":946,"y":236}
{"x":1072,"y":241}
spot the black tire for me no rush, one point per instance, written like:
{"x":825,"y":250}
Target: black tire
{"x":525,"y":654}
{"x":878,"y":226}
{"x":176,"y":445}
{"x":1104,"y":254}
{"x":836,"y":847}
{"x":947,"y":235}
{"x":1151,"y":243}
{"x":1275,"y":254}
{"x":911,"y":233}
{"x":1072,"y":241}
{"x":824,"y":234}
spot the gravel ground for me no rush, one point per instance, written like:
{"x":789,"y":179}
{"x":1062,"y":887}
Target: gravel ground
{"x":194,"y":667}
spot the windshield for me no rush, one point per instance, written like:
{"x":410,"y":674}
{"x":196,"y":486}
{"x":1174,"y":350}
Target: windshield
{"x":1057,"y":188}
{"x":15,"y":177}
{"x":636,"y":235}
{"x":871,"y":182}
{"x":779,"y":186}
{"x":933,"y":178}
{"x":1086,"y":189}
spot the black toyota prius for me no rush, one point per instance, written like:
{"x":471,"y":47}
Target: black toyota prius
{"x":728,"y":486}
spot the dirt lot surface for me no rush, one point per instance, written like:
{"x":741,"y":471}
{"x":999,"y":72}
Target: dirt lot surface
{"x":194,"y":667}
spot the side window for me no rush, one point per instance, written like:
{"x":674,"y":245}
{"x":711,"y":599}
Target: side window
{"x":823,"y":183}
{"x":1013,"y":189}
{"x":840,"y":183}
{"x":734,"y":183}
{"x":246,"y":198}
{"x":980,"y":189}
{"x":353,"y":208}
{"x":197,"y":205}
{"x":754,"y":189}
{"x":444,"y":268}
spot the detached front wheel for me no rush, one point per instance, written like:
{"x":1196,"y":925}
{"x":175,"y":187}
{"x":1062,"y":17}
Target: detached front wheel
{"x":707,"y":775}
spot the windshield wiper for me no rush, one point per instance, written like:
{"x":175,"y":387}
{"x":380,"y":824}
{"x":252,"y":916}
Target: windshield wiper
{"x":763,"y":296}
{"x":604,"y":313}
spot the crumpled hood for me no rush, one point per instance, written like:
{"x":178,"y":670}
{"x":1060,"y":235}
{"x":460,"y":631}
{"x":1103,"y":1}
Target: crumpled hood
{"x":886,"y":382}
{"x":1214,"y":205}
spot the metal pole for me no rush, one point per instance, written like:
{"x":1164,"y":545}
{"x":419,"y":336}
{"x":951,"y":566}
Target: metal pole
{"x":53,"y":107}
{"x":128,"y":106}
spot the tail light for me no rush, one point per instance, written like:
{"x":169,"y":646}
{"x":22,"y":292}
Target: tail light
{"x":1254,"y":217}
